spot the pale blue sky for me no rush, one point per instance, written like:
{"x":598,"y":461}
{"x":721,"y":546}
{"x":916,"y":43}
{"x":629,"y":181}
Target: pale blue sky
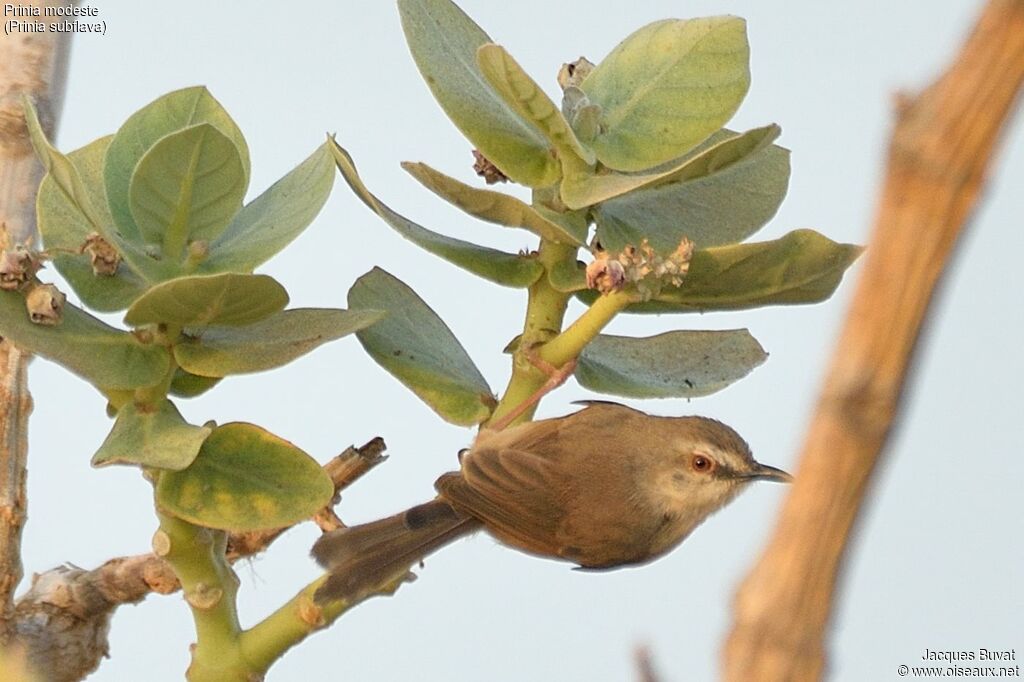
{"x":938,"y":558}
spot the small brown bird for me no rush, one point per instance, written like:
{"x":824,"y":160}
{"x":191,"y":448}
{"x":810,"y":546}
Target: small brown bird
{"x":603,"y":487}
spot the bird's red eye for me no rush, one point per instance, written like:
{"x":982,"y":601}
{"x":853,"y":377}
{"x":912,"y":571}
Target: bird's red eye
{"x":702,"y":464}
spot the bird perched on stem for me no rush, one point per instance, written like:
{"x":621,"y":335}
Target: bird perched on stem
{"x":603,"y":487}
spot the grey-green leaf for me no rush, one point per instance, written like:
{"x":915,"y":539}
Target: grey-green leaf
{"x":276,"y":217}
{"x":801,"y":267}
{"x":102,"y":355}
{"x":666,"y":87}
{"x":443,"y":42}
{"x":677,"y":364}
{"x":188,"y":385}
{"x":197,"y":301}
{"x":65,"y":227}
{"x":418,"y":349}
{"x":165,"y":115}
{"x":526,"y":98}
{"x":186,"y":188}
{"x":151,"y":436}
{"x":495,"y":207}
{"x":496,"y":266}
{"x":273,"y":342}
{"x":736,"y":190}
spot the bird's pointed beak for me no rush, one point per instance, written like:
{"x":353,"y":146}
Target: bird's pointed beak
{"x":765,"y":472}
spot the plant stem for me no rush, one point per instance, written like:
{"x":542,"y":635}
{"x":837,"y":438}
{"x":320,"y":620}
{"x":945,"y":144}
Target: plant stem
{"x":545,"y":312}
{"x":210,"y":586}
{"x":570,"y":343}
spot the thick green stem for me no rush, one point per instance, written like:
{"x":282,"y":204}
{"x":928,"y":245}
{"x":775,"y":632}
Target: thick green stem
{"x":545,"y":312}
{"x":210,"y":587}
{"x":568,"y":345}
{"x":300,"y":617}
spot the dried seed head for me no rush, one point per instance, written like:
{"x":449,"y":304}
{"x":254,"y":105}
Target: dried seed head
{"x":605,"y":274}
{"x":45,"y":304}
{"x":641,"y":266}
{"x":102,"y":255}
{"x":487,"y":170}
{"x":18,"y":266}
{"x":573,"y":73}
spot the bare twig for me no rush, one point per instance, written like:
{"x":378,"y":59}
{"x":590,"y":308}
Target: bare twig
{"x":35,"y":65}
{"x":63,"y":620}
{"x":645,"y":665}
{"x":940,"y":150}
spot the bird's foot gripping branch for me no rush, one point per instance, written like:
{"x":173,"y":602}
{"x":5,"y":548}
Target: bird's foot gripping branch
{"x":633,"y":172}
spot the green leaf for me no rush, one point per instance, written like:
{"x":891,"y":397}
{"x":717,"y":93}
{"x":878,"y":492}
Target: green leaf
{"x":496,"y":266}
{"x":526,"y":98}
{"x":246,"y":478}
{"x":667,"y":87}
{"x":444,"y":42}
{"x":200,"y":300}
{"x":64,"y":227}
{"x":168,"y":114}
{"x":582,"y":189}
{"x":102,"y":355}
{"x":188,"y":385}
{"x":273,"y":219}
{"x":495,"y":207}
{"x":276,"y":341}
{"x":737,"y":188}
{"x":801,"y":267}
{"x":186,"y":188}
{"x":418,"y":349}
{"x":151,"y":436}
{"x":678,"y":364}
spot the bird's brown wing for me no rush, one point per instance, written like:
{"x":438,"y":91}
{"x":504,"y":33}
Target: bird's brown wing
{"x":516,"y":493}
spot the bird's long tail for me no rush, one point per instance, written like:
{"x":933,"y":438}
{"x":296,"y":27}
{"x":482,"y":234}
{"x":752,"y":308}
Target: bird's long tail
{"x":363,"y":557}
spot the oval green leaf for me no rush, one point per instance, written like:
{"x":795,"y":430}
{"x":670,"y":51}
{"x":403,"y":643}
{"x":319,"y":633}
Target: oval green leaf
{"x":725,"y":147}
{"x":737,"y":187}
{"x":165,"y":115}
{"x":443,"y":42}
{"x":667,"y":87}
{"x":272,"y":220}
{"x":187,"y":187}
{"x":507,"y":269}
{"x":64,"y":228}
{"x":273,"y":342}
{"x":678,"y":364}
{"x":801,"y":267}
{"x":226,"y":299}
{"x":188,"y":385}
{"x":526,"y":98}
{"x":246,"y":478}
{"x":418,"y":349}
{"x":84,"y":203}
{"x":495,"y":207}
{"x":151,"y":436}
{"x":102,"y":355}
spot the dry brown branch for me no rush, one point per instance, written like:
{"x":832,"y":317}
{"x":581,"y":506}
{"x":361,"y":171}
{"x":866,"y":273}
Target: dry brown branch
{"x":64,"y":618}
{"x":35,"y":65}
{"x":940,"y":150}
